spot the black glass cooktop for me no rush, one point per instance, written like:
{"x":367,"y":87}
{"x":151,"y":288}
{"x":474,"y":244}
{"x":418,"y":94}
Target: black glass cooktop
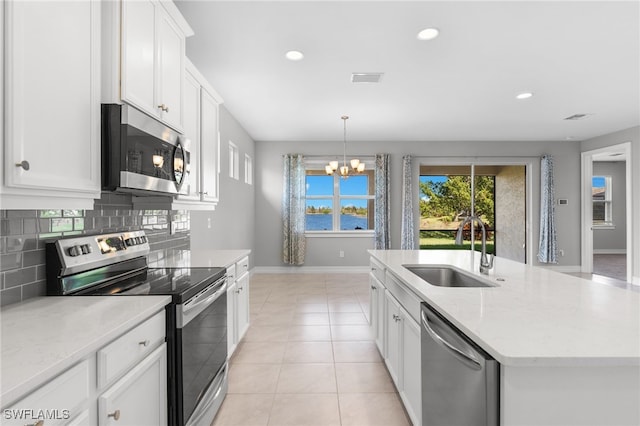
{"x":180,"y":283}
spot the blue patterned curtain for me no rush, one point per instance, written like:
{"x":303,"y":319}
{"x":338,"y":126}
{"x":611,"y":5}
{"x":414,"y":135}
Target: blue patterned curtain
{"x":382,"y":207}
{"x":293,"y":209}
{"x":548,"y":248}
{"x":407,"y":238}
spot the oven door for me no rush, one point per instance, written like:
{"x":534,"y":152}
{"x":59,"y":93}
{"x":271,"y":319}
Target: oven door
{"x":202,"y":354}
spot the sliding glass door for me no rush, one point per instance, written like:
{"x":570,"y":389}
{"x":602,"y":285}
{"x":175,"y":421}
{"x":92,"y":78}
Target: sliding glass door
{"x":497,"y":197}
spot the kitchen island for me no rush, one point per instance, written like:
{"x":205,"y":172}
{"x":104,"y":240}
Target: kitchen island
{"x":569,"y":348}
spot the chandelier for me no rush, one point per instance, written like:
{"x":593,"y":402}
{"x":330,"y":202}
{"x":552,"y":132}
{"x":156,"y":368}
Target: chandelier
{"x":356,"y":165}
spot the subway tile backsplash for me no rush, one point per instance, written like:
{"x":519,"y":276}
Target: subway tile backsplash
{"x":24,"y":233}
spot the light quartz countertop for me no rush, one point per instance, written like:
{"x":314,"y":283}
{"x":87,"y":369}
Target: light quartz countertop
{"x":535,"y":316}
{"x":44,"y":336}
{"x":198,"y":258}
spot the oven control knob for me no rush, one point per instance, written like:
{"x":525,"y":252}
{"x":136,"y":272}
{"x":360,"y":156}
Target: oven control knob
{"x":86,"y":249}
{"x":130,"y":242}
{"x":143,"y":240}
{"x":75,"y":251}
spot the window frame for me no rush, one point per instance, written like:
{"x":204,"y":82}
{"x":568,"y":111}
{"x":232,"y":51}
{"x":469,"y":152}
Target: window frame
{"x":316,"y":168}
{"x":234,"y":161}
{"x":248,"y":169}
{"x":607,"y":202}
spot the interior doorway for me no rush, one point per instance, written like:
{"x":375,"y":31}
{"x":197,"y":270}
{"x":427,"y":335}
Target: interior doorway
{"x":498,"y":196}
{"x":606,"y":212}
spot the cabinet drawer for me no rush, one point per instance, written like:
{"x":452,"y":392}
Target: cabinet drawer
{"x":63,"y":396}
{"x":242,"y":266}
{"x":231,"y":274}
{"x":377,"y":269}
{"x":406,"y":297}
{"x":127,"y":350}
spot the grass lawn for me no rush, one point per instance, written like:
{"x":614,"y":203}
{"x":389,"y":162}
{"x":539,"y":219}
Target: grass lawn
{"x":449,"y":244}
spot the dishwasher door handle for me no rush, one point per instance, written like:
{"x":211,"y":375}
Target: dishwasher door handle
{"x":463,"y":357}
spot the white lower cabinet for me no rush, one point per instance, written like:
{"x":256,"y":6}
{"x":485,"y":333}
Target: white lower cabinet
{"x":135,"y":394}
{"x":237,"y":303}
{"x":393,"y":332}
{"x":394,"y":322}
{"x":140,"y":397}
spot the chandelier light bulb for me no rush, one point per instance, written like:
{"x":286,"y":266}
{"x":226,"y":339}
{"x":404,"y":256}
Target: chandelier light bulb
{"x":360,"y":167}
{"x":333,"y":165}
{"x":355,"y":163}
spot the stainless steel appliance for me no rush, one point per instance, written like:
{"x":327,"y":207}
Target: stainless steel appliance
{"x":116,"y":264}
{"x":140,"y":154}
{"x":460,"y":381}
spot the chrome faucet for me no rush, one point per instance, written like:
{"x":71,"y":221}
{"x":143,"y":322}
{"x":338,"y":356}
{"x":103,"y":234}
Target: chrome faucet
{"x":486,"y":263}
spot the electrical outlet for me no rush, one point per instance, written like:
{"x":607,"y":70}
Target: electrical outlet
{"x":208,"y":223}
{"x":561,"y":253}
{"x":341,"y":254}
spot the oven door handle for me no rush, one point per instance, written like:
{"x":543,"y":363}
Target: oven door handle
{"x":189,"y":310}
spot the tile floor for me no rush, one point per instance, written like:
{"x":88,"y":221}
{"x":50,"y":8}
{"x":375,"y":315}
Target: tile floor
{"x":308,"y":357}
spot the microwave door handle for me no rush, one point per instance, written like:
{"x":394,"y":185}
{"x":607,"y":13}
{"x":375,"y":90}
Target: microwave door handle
{"x":460,"y":355}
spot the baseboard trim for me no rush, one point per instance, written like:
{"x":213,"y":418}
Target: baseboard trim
{"x":310,"y":269}
{"x":609,"y":251}
{"x":635,"y":281}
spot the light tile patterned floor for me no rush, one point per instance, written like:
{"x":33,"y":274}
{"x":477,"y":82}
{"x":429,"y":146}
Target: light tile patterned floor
{"x":308,"y":357}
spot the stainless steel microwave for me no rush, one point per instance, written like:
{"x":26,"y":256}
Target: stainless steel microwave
{"x":140,"y":154}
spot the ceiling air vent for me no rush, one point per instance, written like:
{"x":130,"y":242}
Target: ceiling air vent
{"x":366,"y":77}
{"x":577,"y":116}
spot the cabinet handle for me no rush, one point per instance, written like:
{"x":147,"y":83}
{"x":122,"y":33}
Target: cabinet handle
{"x":204,"y":193}
{"x":396,"y":317}
{"x":144,"y":343}
{"x":373,"y":287}
{"x":115,"y":415}
{"x":25,"y":165}
{"x":163,"y":107}
{"x":38,"y":423}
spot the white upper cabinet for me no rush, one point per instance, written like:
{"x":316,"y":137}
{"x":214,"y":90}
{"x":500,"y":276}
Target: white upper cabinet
{"x":210,"y":148}
{"x":144,"y":57}
{"x":51,"y":102}
{"x":201,"y":116}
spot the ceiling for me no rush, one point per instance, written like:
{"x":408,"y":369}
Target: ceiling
{"x":577,"y":57}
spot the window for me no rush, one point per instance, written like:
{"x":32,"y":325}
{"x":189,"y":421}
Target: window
{"x":602,"y":201}
{"x":234,"y":159}
{"x":339,"y":204}
{"x":248,"y":169}
{"x":445,"y":201}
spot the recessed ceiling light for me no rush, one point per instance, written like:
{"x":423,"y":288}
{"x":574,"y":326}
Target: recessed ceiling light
{"x":428,"y":34}
{"x":524,"y":95}
{"x":294,"y":55}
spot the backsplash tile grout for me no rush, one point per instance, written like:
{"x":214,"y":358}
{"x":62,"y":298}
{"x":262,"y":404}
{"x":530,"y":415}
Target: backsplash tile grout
{"x":24,"y":234}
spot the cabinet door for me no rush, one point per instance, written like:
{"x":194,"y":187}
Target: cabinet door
{"x":209,"y":152}
{"x":52,"y":102}
{"x":138,"y":72}
{"x":232,"y":298}
{"x":192,"y":132}
{"x":381,"y":339}
{"x":171,"y":50}
{"x":393,"y":334}
{"x":373,"y":305}
{"x":242,"y":311}
{"x":411,"y":392}
{"x":140,"y":397}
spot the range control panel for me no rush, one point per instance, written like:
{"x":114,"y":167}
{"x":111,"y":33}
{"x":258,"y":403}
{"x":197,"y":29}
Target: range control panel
{"x":86,"y":251}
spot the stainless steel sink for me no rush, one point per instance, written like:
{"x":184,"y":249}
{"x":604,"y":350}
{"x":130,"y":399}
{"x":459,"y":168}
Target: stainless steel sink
{"x":446,"y":276}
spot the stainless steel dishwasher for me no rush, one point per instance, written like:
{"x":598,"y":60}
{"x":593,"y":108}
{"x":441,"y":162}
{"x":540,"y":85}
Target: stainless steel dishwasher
{"x":460,"y":381}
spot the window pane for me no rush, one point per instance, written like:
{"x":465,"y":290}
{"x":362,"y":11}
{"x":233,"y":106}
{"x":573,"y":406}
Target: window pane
{"x":354,"y":185}
{"x":354,"y":215}
{"x":599,"y":214}
{"x":598,"y":188}
{"x":319,"y":185}
{"x":319,"y":215}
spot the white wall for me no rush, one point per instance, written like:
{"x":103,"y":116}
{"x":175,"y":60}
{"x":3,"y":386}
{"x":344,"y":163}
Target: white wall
{"x":629,"y":135}
{"x":613,"y":240}
{"x":233,"y":221}
{"x":323,"y":252}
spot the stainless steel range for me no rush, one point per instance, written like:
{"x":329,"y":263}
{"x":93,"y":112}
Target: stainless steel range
{"x":116,"y":264}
